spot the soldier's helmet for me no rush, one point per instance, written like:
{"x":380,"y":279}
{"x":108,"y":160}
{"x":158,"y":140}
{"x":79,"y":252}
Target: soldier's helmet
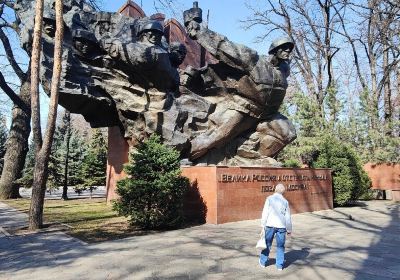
{"x":103,"y":17}
{"x":85,"y":35}
{"x":49,"y":15}
{"x":153,"y":25}
{"x":177,"y":46}
{"x":284,"y":41}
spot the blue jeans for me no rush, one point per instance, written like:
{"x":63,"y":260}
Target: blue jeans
{"x":280,"y":234}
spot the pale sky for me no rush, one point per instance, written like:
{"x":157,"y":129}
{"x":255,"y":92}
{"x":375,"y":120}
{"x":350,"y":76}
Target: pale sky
{"x":224,"y":17}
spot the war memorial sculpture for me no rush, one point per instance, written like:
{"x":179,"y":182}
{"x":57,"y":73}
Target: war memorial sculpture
{"x":125,"y":72}
{"x":121,"y":71}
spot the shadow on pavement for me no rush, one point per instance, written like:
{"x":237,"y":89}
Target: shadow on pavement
{"x":383,"y":255}
{"x":295,"y":255}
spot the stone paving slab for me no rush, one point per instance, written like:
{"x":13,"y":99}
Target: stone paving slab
{"x":344,"y":243}
{"x":11,"y":218}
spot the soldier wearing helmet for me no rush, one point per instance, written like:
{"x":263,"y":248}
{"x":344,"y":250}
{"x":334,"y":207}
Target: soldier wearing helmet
{"x":103,"y":24}
{"x":177,"y":53}
{"x":145,"y":60}
{"x":279,"y":51}
{"x":151,"y":33}
{"x":49,"y":23}
{"x":256,"y":85}
{"x":85,"y":43}
{"x":280,"y":44}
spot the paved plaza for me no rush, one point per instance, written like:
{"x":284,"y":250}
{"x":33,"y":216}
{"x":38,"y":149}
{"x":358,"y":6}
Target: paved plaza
{"x":359,"y":242}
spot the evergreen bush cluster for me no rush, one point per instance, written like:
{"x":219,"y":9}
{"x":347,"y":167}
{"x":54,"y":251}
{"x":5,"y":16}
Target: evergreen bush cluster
{"x":152,"y":194}
{"x":87,"y":160}
{"x":293,"y":163}
{"x":350,"y":181}
{"x":93,"y":168}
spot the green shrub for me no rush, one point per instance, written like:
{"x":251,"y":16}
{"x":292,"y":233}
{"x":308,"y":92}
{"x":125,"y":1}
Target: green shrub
{"x":291,"y":163}
{"x":350,"y":181}
{"x":152,"y":194}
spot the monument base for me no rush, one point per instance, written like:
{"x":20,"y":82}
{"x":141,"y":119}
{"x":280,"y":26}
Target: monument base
{"x":229,"y":194}
{"x":220,"y":194}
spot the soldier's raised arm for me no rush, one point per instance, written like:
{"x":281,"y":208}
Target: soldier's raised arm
{"x":235,"y":55}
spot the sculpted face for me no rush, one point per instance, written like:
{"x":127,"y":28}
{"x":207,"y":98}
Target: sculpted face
{"x":103,"y":27}
{"x":283,"y":53}
{"x":192,"y":29}
{"x":82,"y":46}
{"x":152,"y":37}
{"x":49,"y":27}
{"x":177,"y":55}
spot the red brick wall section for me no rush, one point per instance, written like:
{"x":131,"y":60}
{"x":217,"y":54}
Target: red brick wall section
{"x":175,"y":32}
{"x":131,"y":9}
{"x":202,"y":196}
{"x":384,"y":176}
{"x":118,"y":150}
{"x":239,"y":193}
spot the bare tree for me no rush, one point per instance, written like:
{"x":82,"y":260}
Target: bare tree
{"x":172,"y":8}
{"x":17,"y":141}
{"x":375,"y":36}
{"x":43,"y":148}
{"x":310,"y":23}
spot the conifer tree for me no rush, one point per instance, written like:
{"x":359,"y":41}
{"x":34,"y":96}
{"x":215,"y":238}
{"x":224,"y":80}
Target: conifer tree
{"x":77,"y":152}
{"x":350,"y":181}
{"x":55,"y":172}
{"x":93,"y":173}
{"x":152,"y":194}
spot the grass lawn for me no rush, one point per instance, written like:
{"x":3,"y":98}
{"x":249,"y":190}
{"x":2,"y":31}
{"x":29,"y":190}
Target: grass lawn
{"x":90,"y":220}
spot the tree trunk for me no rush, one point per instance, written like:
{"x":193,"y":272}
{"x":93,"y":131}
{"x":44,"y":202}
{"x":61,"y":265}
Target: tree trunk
{"x":17,"y":146}
{"x":398,"y":94}
{"x":371,"y":42}
{"x":67,"y":140}
{"x":38,"y":190}
{"x":387,"y":93}
{"x":42,"y":156}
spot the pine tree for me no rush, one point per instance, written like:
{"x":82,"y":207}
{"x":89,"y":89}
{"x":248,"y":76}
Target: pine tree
{"x":94,"y":165}
{"x":77,"y":152}
{"x":152,"y":194}
{"x":350,"y":181}
{"x":57,"y":155}
{"x":68,"y":152}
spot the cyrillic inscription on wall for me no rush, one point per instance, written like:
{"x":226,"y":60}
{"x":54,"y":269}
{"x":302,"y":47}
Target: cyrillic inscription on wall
{"x":268,"y":181}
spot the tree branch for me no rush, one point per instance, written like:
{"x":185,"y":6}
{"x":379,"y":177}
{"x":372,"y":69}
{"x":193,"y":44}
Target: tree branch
{"x":10,"y":56}
{"x":12,"y":95}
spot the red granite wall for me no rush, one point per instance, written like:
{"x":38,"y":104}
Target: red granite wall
{"x":384,"y":176}
{"x":131,"y":9}
{"x":118,"y":150}
{"x":238,"y":193}
{"x":226,"y":194}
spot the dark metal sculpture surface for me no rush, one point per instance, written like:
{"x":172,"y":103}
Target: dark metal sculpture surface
{"x":121,"y":71}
